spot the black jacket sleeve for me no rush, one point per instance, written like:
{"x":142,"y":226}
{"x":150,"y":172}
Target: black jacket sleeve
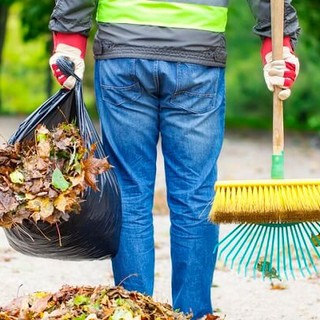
{"x":262,"y":14}
{"x":72,"y":16}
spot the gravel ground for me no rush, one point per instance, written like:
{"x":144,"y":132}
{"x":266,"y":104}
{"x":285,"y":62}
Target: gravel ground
{"x":245,"y":155}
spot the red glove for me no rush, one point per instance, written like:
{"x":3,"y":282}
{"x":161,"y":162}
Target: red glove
{"x":281,"y":73}
{"x":73,"y":47}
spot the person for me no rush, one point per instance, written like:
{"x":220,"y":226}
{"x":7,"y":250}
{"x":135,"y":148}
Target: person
{"x":160,"y":76}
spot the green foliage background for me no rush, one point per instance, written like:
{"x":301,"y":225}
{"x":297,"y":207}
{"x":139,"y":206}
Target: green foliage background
{"x":25,"y":72}
{"x":24,"y":69}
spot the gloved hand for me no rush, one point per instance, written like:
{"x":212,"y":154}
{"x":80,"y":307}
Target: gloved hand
{"x":73,"y":47}
{"x":281,"y":73}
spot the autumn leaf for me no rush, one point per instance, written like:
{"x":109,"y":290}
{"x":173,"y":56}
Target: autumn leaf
{"x":43,"y":206}
{"x":42,"y":133}
{"x":40,"y":301}
{"x":64,"y":203}
{"x":43,"y":142}
{"x":278,"y":286}
{"x":78,"y":180}
{"x":80,"y":299}
{"x":58,"y":180}
{"x":315,"y":239}
{"x":8,"y":203}
{"x":267,"y":270}
{"x":121,"y":314}
{"x":37,"y":185}
{"x":212,"y":317}
{"x":16,"y":177}
{"x":93,"y":166}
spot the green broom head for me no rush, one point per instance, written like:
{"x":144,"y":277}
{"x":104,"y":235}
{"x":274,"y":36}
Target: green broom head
{"x":272,"y":251}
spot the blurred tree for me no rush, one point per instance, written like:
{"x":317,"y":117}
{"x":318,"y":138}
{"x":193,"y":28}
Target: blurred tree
{"x":248,"y":101}
{"x":4,"y":13}
{"x":25,"y":58}
{"x":309,"y":13}
{"x":305,"y":97}
{"x":35,"y":18}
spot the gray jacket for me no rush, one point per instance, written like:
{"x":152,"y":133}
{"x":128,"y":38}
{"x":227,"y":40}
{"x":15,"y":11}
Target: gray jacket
{"x":121,"y":40}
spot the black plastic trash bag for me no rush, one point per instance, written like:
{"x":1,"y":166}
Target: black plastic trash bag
{"x":94,"y":232}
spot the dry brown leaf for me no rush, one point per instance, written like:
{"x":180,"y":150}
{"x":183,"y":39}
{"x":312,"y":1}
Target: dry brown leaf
{"x":278,"y":286}
{"x":36,"y":186}
{"x":78,"y":180}
{"x":43,"y":142}
{"x":212,"y":317}
{"x":7,"y":202}
{"x":94,"y":166}
{"x":64,"y":202}
{"x":40,"y":303}
{"x":42,"y":208}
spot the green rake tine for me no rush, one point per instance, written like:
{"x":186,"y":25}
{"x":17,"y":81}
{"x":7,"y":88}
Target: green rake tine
{"x":278,"y":251}
{"x":284,"y":253}
{"x":237,"y":243}
{"x":254,"y":246}
{"x":289,"y":252}
{"x":314,"y":233}
{"x":317,"y":228}
{"x":256,"y":229}
{"x":297,"y":252}
{"x":308,"y":251}
{"x":245,"y":239}
{"x":240,"y":245}
{"x":230,"y":234}
{"x":250,"y":233}
{"x":304,"y":248}
{"x":272,"y":247}
{"x":313,"y":227}
{"x":259,"y":252}
{"x":266,"y":253}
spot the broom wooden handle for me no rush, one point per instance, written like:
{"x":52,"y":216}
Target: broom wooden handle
{"x":277,"y":20}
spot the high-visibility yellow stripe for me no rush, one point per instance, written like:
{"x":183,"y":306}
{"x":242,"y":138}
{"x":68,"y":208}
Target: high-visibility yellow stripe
{"x":164,"y":14}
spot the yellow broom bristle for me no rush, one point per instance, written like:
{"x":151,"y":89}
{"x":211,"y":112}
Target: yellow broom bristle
{"x":256,"y":201}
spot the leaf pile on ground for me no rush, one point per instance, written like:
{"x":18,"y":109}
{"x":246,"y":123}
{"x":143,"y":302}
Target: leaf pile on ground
{"x":44,"y":178}
{"x":89,"y":303}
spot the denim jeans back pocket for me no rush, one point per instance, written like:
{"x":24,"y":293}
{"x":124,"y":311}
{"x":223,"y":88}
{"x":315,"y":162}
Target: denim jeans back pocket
{"x":196,"y":88}
{"x":118,"y":81}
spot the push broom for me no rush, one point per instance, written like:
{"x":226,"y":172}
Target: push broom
{"x":279,"y":232}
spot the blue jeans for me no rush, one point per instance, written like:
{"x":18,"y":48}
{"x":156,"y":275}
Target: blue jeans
{"x":138,"y":101}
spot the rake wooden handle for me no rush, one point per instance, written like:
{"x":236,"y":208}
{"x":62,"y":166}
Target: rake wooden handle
{"x":277,"y":19}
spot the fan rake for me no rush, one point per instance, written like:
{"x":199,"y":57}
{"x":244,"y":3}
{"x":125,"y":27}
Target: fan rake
{"x":272,"y":250}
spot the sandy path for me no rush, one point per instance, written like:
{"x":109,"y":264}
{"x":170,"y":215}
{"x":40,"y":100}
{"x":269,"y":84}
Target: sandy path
{"x":245,"y":156}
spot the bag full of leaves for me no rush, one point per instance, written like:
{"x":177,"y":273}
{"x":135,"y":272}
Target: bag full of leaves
{"x":44,"y":178}
{"x":54,"y":230}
